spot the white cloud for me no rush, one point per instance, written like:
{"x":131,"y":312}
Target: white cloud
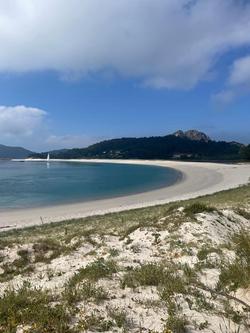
{"x":20,"y":121}
{"x":28,"y":127}
{"x":238,"y":82}
{"x":163,"y":43}
{"x":240,"y":74}
{"x":224,"y":97}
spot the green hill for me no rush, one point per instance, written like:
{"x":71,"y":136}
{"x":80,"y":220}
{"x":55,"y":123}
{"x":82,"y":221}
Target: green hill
{"x":180,"y":145}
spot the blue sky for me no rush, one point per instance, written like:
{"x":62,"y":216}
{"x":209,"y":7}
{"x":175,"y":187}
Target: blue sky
{"x":80,"y":75}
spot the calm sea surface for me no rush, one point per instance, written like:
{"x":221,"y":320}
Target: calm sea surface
{"x":34,"y":184}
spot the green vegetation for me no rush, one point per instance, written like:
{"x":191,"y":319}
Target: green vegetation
{"x":96,"y":323}
{"x":243,"y":213}
{"x":206,"y":250}
{"x":83,"y":292}
{"x":95,"y":271}
{"x":236,"y":274}
{"x":145,"y":275}
{"x":198,"y":207}
{"x":165,"y":147}
{"x":22,"y":265}
{"x":120,"y":318}
{"x":176,"y":324}
{"x":114,"y":252}
{"x":44,"y":250}
{"x":34,"y":309}
{"x":245,"y":152}
{"x":47,"y":249}
{"x":163,"y":275}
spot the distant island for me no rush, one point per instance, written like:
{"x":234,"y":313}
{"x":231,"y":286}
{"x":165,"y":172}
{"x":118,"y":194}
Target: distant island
{"x":189,"y":145}
{"x":7,"y":152}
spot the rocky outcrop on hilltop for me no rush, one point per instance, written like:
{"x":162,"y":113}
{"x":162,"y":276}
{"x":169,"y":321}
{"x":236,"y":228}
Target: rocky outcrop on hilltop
{"x":193,"y":135}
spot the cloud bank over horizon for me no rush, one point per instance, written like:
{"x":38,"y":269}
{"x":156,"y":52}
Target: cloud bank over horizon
{"x":28,"y":126}
{"x":22,"y":126}
{"x":163,"y":44}
{"x":20,"y":121}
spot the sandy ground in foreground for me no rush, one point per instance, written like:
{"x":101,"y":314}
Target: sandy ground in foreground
{"x":198,"y":179}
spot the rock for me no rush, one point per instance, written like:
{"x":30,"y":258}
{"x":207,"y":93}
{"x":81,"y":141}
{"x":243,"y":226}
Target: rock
{"x":193,"y":135}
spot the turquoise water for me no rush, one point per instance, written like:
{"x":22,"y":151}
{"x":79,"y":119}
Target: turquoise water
{"x":34,"y":184}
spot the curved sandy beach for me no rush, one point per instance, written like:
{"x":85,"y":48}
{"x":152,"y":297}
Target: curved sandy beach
{"x":198,"y":179}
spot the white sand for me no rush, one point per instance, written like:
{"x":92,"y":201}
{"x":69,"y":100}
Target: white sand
{"x":198,"y":179}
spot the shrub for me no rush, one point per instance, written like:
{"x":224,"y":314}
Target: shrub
{"x":47,"y":249}
{"x":176,"y":324}
{"x":198,"y":207}
{"x":85,"y":291}
{"x":146,"y":275}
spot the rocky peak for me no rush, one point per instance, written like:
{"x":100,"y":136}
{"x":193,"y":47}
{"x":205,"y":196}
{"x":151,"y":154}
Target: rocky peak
{"x":193,"y":135}
{"x":179,"y":134}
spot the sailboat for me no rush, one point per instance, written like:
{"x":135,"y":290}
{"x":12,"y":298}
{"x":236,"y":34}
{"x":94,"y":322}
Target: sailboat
{"x":48,"y":159}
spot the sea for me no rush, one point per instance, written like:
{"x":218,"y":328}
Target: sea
{"x":37,"y":184}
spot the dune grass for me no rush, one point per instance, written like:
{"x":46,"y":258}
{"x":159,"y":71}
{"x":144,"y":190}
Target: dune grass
{"x":236,"y":274}
{"x":95,"y":271}
{"x":33,"y":308}
{"x":198,"y":207}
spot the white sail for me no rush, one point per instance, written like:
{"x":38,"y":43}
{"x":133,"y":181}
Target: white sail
{"x":48,"y":157}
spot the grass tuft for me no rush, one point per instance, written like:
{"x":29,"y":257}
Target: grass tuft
{"x":198,"y":207}
{"x":32,"y":308}
{"x":158,"y":275}
{"x":95,"y":271}
{"x":47,"y":249}
{"x":237,"y":274}
{"x":176,"y":324}
{"x":120,"y":318}
{"x":243,"y":212}
{"x":86,"y":291}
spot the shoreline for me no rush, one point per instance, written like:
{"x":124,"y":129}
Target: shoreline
{"x":179,"y":177}
{"x":198,"y":178}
